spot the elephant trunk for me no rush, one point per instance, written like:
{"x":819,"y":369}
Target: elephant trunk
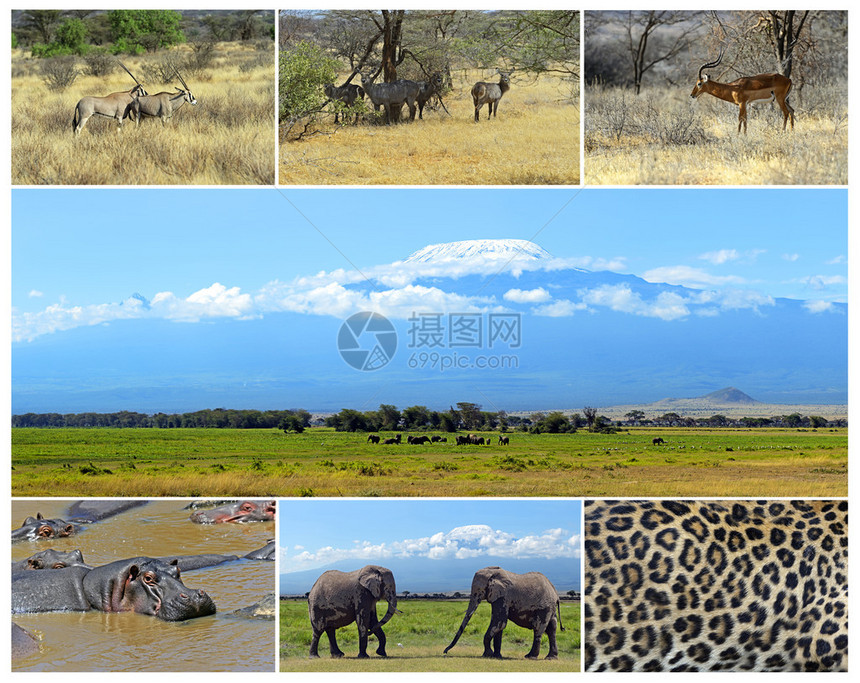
{"x":391,"y":596}
{"x":473,"y":605}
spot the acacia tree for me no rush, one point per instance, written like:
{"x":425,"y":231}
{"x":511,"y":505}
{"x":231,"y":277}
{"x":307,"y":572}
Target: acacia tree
{"x":654,"y":37}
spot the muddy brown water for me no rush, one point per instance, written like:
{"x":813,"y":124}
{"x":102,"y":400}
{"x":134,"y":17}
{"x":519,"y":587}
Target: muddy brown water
{"x":95,"y":641}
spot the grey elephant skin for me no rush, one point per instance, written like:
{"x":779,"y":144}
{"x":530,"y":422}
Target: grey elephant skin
{"x":528,"y":600}
{"x":38,"y":527}
{"x":339,"y":598}
{"x":139,"y":584}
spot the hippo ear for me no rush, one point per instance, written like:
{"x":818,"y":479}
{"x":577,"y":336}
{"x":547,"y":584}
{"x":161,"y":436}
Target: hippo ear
{"x":30,"y":520}
{"x":39,"y":515}
{"x":175,"y":563}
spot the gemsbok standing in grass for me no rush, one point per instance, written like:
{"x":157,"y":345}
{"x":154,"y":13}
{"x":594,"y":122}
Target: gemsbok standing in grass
{"x":744,"y":91}
{"x":490,"y":94}
{"x":164,"y":104}
{"x":117,"y":105}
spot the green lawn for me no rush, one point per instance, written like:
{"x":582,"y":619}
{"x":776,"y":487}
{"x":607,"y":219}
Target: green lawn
{"x":321,"y":462}
{"x":417,"y":638}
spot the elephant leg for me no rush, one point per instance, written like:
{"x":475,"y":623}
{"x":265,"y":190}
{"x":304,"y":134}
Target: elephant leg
{"x":315,"y":641}
{"x":535,"y":651}
{"x":332,"y":643}
{"x":498,"y":621}
{"x":362,"y":642}
{"x":550,"y":635}
{"x":380,"y":636}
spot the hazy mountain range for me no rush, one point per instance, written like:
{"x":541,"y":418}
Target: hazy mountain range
{"x":586,"y":337}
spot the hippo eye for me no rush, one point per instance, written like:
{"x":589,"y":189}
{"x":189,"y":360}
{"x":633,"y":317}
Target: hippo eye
{"x":247,"y":507}
{"x":45,"y":532}
{"x":149,"y":579}
{"x":58,"y":565}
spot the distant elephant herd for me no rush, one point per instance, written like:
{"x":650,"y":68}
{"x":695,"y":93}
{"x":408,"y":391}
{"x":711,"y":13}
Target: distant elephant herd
{"x":461,"y":440}
{"x":338,"y":599}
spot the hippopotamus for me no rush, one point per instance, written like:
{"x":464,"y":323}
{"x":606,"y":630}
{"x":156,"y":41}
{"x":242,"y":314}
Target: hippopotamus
{"x":51,"y":559}
{"x":24,"y":643}
{"x":85,"y":511}
{"x":39,"y":527}
{"x":240,"y":511}
{"x":189,"y":562}
{"x":138,"y":584}
{"x":267,"y":552}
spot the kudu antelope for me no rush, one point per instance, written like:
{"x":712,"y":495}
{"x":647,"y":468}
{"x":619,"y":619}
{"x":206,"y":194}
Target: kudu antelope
{"x":490,"y":94}
{"x":746,"y":90}
{"x":117,"y":105}
{"x":164,"y":104}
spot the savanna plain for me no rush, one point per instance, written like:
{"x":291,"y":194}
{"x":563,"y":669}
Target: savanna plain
{"x":416,"y":639}
{"x":532,"y":140}
{"x":227,"y":138}
{"x":664,"y":137}
{"x":322,"y":462}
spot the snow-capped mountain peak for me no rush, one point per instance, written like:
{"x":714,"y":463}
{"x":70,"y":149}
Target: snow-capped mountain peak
{"x":483,"y":250}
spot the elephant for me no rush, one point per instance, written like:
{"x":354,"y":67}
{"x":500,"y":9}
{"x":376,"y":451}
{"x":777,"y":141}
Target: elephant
{"x":339,"y":598}
{"x":529,"y":600}
{"x":657,"y":441}
{"x":504,"y":440}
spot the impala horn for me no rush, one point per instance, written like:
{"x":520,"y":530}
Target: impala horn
{"x":710,"y":65}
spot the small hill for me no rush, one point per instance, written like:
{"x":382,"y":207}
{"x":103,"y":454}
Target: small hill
{"x":729,"y":396}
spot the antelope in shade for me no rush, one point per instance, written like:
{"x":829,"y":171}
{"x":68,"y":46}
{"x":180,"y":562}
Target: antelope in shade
{"x":490,"y":94}
{"x":391,"y":96}
{"x":746,"y":90}
{"x":347,"y":94}
{"x":164,"y":104}
{"x":117,"y":105}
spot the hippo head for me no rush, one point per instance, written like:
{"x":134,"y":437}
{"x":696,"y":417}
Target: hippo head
{"x":145,"y":586}
{"x":39,"y":527}
{"x":242,"y":511}
{"x":55,"y":559}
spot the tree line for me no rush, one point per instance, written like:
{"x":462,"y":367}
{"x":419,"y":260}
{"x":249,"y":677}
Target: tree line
{"x":465,"y":416}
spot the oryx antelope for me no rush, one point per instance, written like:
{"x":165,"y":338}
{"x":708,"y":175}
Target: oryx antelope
{"x":490,"y":94}
{"x":744,"y":91}
{"x":164,"y":104}
{"x":117,"y":105}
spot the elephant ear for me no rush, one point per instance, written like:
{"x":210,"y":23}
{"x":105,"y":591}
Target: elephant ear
{"x":371,"y":580}
{"x":496,"y":589}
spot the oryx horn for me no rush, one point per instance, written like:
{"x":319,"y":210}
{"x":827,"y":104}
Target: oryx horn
{"x":128,"y":72}
{"x":181,"y":80}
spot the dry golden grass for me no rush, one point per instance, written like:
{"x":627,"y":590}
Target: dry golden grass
{"x":533,"y":140}
{"x":227,"y":139}
{"x":663,"y":137}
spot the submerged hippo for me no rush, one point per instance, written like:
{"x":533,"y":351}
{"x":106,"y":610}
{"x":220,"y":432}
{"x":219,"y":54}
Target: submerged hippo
{"x":96,"y":510}
{"x":38,"y":527}
{"x":188,"y":562}
{"x":240,"y":511}
{"x":51,"y":559}
{"x":139,"y":584}
{"x":24,"y":643}
{"x":267,"y":552}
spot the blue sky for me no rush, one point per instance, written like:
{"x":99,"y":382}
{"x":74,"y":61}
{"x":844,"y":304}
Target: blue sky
{"x":178,"y":300}
{"x":790,"y":243}
{"x":318,"y":533}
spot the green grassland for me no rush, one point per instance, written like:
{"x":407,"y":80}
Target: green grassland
{"x":417,"y":638}
{"x":322,"y":462}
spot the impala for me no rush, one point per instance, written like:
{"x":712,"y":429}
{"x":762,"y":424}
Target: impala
{"x":743,"y":91}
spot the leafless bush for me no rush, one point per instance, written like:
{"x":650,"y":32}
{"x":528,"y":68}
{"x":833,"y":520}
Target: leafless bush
{"x":201,"y":58}
{"x":98,"y":64}
{"x":58,"y":73}
{"x":257,"y":61}
{"x":672,"y":125}
{"x":161,"y":70}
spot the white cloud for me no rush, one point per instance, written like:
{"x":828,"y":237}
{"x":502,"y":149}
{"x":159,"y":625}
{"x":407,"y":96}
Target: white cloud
{"x":818,"y":306}
{"x":721,"y":256}
{"x":527,"y":296}
{"x":837,"y":260}
{"x":791,"y":257}
{"x":667,"y":305}
{"x":562,"y":308}
{"x":823,"y":281}
{"x":35,"y":294}
{"x":475,"y":540}
{"x":690,"y":277}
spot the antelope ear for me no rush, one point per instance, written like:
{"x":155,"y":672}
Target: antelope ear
{"x":705,"y":78}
